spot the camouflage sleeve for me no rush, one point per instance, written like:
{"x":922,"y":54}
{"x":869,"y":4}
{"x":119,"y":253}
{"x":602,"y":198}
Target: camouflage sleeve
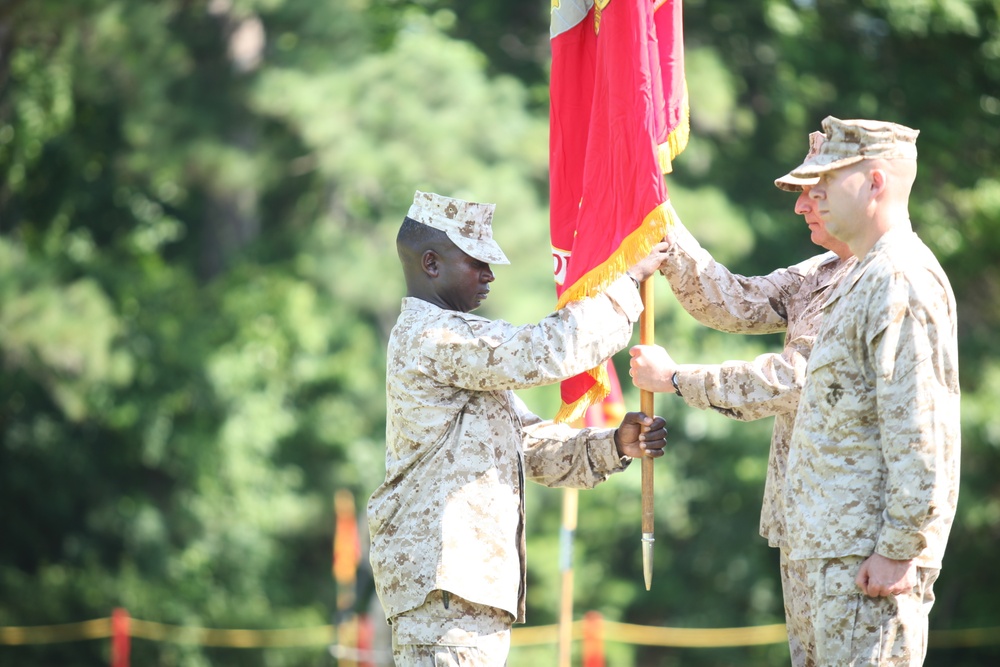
{"x":487,"y":355}
{"x":723,"y":300}
{"x":915,"y":355}
{"x":748,"y":390}
{"x":558,"y":455}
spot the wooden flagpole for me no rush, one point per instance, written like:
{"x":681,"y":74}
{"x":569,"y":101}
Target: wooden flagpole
{"x":569,"y":516}
{"x":646,"y":327}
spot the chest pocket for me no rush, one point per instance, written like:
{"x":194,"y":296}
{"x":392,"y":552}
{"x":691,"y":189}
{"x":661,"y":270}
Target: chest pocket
{"x":839,"y":388}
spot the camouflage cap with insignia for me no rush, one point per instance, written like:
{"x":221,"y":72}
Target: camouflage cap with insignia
{"x":467,"y":224}
{"x":848,"y":142}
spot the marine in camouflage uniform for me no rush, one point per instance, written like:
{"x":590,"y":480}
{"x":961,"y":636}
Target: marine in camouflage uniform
{"x":447,"y":525}
{"x":786,"y":300}
{"x":873,"y":468}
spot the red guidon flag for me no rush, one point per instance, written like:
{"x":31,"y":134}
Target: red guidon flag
{"x":618,"y":117}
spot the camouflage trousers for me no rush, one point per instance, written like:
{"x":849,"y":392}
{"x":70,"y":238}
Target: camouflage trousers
{"x":832,"y":624}
{"x":449,"y":631}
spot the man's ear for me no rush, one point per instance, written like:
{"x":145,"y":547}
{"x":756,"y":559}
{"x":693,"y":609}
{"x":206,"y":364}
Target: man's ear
{"x":878,"y":182}
{"x":430,"y":262}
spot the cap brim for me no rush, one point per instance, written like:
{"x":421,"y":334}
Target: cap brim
{"x":822,"y":164}
{"x":790,"y":183}
{"x":485,"y":250}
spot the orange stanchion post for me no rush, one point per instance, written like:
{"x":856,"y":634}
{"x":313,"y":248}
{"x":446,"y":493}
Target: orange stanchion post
{"x":120,"y":637}
{"x":593,"y":639}
{"x":346,"y":550}
{"x":346,"y":556}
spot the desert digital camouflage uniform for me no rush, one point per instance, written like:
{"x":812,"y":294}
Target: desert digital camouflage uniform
{"x":787,"y":300}
{"x":874,"y":459}
{"x":460,"y":444}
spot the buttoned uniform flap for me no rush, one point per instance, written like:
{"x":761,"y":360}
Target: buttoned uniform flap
{"x":461,"y":623}
{"x":833,"y":375}
{"x":830,"y":349}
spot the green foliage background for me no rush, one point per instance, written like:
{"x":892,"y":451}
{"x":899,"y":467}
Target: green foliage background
{"x":198,"y":200}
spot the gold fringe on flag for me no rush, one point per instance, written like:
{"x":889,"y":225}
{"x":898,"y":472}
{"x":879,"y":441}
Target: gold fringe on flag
{"x":677,"y":140}
{"x":634,"y":247}
{"x":571,"y":412}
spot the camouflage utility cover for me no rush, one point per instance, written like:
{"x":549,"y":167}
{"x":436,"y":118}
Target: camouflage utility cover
{"x":847,"y":142}
{"x":468,"y":224}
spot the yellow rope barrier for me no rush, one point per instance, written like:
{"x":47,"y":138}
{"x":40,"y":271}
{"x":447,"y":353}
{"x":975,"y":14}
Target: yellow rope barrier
{"x":651,"y":635}
{"x":183,"y":634}
{"x":648,"y":635}
{"x":99,"y":628}
{"x":324,"y":635}
{"x":694,"y":637}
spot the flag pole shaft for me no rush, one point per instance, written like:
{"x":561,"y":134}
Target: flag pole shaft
{"x":569,"y":517}
{"x":646,"y":405}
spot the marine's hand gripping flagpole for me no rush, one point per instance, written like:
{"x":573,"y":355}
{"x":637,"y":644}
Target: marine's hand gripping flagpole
{"x":646,"y":326}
